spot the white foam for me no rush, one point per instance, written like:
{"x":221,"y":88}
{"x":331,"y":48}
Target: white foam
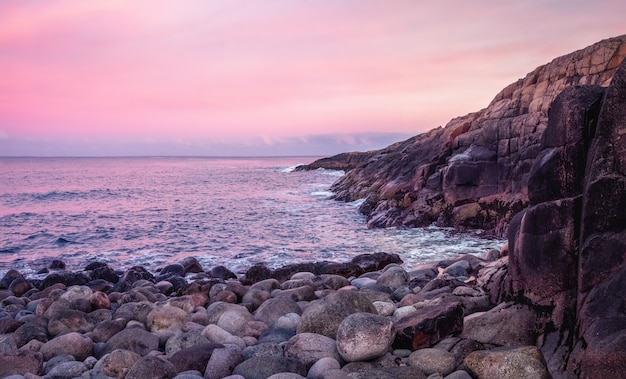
{"x":337,"y":173}
{"x":357,"y":203}
{"x":322,"y":193}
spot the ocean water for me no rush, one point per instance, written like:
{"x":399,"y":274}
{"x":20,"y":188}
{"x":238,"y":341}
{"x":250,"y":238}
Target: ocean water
{"x":224,"y":211}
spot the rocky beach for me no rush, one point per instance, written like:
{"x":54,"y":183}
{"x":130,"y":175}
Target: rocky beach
{"x":544,"y":165}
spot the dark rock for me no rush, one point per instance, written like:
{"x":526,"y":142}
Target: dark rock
{"x":376,"y":261}
{"x":221,"y":272}
{"x":151,"y":367}
{"x":57,"y":265}
{"x":66,"y":278}
{"x":194,"y":357}
{"x":191,"y":265}
{"x":400,"y":372}
{"x":428,"y":325}
{"x":263,"y":367}
{"x":107,"y":329}
{"x":257,"y":273}
{"x":507,"y":324}
{"x":105,"y":273}
{"x":343,"y":162}
{"x":118,"y":363}
{"x":9,"y":277}
{"x":30,"y":331}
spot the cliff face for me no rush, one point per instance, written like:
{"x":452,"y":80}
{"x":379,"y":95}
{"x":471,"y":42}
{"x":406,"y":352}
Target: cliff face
{"x":568,"y":248}
{"x":473,"y":173}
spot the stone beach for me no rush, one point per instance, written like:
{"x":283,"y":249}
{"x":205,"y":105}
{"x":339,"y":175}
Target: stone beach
{"x":367,"y":318}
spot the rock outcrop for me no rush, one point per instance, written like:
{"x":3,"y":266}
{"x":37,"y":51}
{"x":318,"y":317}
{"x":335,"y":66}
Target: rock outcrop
{"x":568,"y":249}
{"x":472,"y":173}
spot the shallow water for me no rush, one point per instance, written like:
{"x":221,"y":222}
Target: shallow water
{"x":224,"y":211}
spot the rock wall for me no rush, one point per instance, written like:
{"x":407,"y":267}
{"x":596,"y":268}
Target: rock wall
{"x":473,"y":173}
{"x":568,"y":248}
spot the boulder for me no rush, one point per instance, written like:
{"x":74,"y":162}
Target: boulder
{"x":194,"y":357}
{"x":223,"y":361}
{"x":151,"y":367}
{"x":118,"y":362}
{"x":324,"y":316}
{"x":136,"y":340}
{"x":75,"y":344}
{"x":433,"y":361}
{"x":364,"y":336}
{"x":308,"y":348}
{"x":20,"y":362}
{"x":264,"y":367}
{"x":521,"y":362}
{"x":428,"y":325}
{"x":508,"y":324}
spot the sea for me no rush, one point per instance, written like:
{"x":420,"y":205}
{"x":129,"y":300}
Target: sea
{"x":153,"y":211}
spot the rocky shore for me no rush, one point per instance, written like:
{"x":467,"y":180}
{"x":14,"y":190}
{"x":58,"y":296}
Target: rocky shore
{"x":367,"y":318}
{"x":550,"y":303}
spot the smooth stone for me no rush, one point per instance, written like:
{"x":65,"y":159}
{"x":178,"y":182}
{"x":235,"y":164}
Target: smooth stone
{"x":286,"y":375}
{"x":458,"y":268}
{"x":184,"y":340}
{"x":324,"y":316}
{"x":364,"y":336}
{"x":520,"y":362}
{"x":194,"y":357}
{"x":264,"y":367}
{"x":433,"y":361}
{"x":459,"y":374}
{"x":118,"y":362}
{"x":384,"y":308}
{"x":134,"y":339}
{"x":166,"y":317}
{"x":67,"y":370}
{"x":191,"y":374}
{"x":216,"y":334}
{"x":75,"y":344}
{"x":263,"y":349}
{"x":20,"y":362}
{"x":273,"y":309}
{"x":234,"y":321}
{"x":223,"y":361}
{"x":308,"y":348}
{"x":323,"y":365}
{"x":403,"y":311}
{"x":151,"y":367}
{"x":393,"y":278}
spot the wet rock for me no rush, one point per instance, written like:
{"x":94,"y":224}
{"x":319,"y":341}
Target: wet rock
{"x":221,"y":272}
{"x":66,"y":278}
{"x":151,"y":367}
{"x":191,"y":264}
{"x":308,"y":348}
{"x":68,"y":320}
{"x":107,"y":329}
{"x":264,"y":367}
{"x":364,"y":336}
{"x":428,"y":325}
{"x":432,"y":361}
{"x":521,"y":362}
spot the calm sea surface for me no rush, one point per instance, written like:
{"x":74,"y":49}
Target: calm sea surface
{"x":224,"y":211}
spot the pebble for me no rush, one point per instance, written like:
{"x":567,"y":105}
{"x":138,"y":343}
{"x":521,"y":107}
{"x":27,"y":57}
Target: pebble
{"x":104,"y":324}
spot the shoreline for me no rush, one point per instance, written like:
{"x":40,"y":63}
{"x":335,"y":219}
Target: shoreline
{"x":188,"y":322}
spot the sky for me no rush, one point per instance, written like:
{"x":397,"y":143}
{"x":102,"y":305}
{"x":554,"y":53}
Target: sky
{"x":274,"y":77}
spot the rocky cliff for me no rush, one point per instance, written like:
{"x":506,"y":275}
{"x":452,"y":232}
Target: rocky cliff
{"x":472,"y":173}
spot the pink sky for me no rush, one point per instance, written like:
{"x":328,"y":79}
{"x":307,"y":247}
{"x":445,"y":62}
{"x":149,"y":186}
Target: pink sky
{"x":231,"y":77}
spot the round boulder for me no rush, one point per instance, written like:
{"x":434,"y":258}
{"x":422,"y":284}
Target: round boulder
{"x":364,"y":336}
{"x":433,"y":361}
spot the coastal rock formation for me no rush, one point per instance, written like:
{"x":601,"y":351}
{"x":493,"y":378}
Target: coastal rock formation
{"x":568,"y":249}
{"x":472,"y":173}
